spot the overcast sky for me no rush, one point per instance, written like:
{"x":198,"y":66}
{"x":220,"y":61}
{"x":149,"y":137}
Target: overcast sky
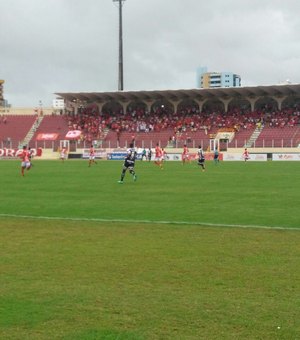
{"x":50,"y":46}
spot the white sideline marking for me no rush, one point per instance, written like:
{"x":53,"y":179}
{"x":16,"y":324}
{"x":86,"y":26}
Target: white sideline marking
{"x":150,"y":222}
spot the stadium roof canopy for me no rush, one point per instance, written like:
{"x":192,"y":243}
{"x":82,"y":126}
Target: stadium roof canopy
{"x":179,"y":95}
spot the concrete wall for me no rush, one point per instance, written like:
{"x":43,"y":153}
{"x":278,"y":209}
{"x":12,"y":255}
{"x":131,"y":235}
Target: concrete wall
{"x":26,"y":111}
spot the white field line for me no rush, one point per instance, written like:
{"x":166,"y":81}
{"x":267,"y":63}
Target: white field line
{"x":245,"y":226}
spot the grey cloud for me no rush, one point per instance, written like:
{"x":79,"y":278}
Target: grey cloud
{"x":71,"y":45}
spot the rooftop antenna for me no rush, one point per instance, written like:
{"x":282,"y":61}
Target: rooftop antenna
{"x":120,"y":82}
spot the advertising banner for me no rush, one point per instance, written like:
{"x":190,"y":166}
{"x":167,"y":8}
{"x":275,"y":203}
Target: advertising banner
{"x":120,"y":154}
{"x":15,"y":153}
{"x":47,"y":136}
{"x":193,"y":156}
{"x":286,"y":157}
{"x":116,"y":156}
{"x":73,"y":134}
{"x":173,"y":157}
{"x":99,"y":153}
{"x":256,"y":157}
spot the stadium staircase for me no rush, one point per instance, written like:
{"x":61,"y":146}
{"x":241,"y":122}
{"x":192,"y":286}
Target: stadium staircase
{"x":103,"y":136}
{"x":31,"y":132}
{"x":253,"y":137}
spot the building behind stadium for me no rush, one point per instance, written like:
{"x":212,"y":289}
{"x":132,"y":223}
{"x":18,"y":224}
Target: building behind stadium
{"x":210,"y":80}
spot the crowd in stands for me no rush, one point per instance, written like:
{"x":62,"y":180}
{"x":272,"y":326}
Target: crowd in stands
{"x":188,"y":123}
{"x":287,"y":117}
{"x":93,"y":123}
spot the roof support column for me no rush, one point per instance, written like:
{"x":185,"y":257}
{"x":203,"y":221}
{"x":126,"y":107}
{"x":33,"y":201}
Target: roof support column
{"x":175,"y":104}
{"x":124,"y":106}
{"x":225,"y":102}
{"x":149,"y":103}
{"x":76,"y":106}
{"x":100,"y":106}
{"x":279,"y":101}
{"x":252,"y":101}
{"x":200,"y":103}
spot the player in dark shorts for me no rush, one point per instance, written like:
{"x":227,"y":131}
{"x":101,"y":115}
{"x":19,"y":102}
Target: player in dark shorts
{"x":30,"y":151}
{"x":216,"y":156}
{"x":201,"y":158}
{"x":129,"y":163}
{"x":149,"y":154}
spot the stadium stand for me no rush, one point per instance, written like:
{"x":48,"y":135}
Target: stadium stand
{"x":111,"y":127}
{"x":241,"y":137}
{"x":14,"y":128}
{"x":286,"y":136}
{"x":51,"y":124}
{"x":187,"y":116}
{"x":177,"y":129}
{"x":169,"y":131}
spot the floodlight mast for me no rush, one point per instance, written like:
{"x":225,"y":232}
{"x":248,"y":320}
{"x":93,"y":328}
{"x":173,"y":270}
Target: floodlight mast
{"x":120,"y":82}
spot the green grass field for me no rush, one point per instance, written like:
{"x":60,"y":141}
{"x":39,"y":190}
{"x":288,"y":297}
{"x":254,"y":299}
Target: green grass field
{"x":179,"y":254}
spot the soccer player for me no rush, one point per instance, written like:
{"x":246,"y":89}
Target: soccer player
{"x":25,"y":160}
{"x":216,"y":156}
{"x":144,"y":154}
{"x":129,"y":163}
{"x":185,"y":154}
{"x":201,"y":158}
{"x":63,"y":154}
{"x":30,"y":152}
{"x":158,"y":156}
{"x":246,"y":155}
{"x":164,"y":154}
{"x":149,"y":154}
{"x":92,"y":156}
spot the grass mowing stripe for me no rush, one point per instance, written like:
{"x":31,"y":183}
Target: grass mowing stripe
{"x":150,"y":222}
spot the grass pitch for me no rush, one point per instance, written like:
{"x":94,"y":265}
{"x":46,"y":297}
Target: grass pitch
{"x":260,"y":194}
{"x":145,"y":267}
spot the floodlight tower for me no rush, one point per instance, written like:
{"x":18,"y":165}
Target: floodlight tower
{"x":120,"y":83}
